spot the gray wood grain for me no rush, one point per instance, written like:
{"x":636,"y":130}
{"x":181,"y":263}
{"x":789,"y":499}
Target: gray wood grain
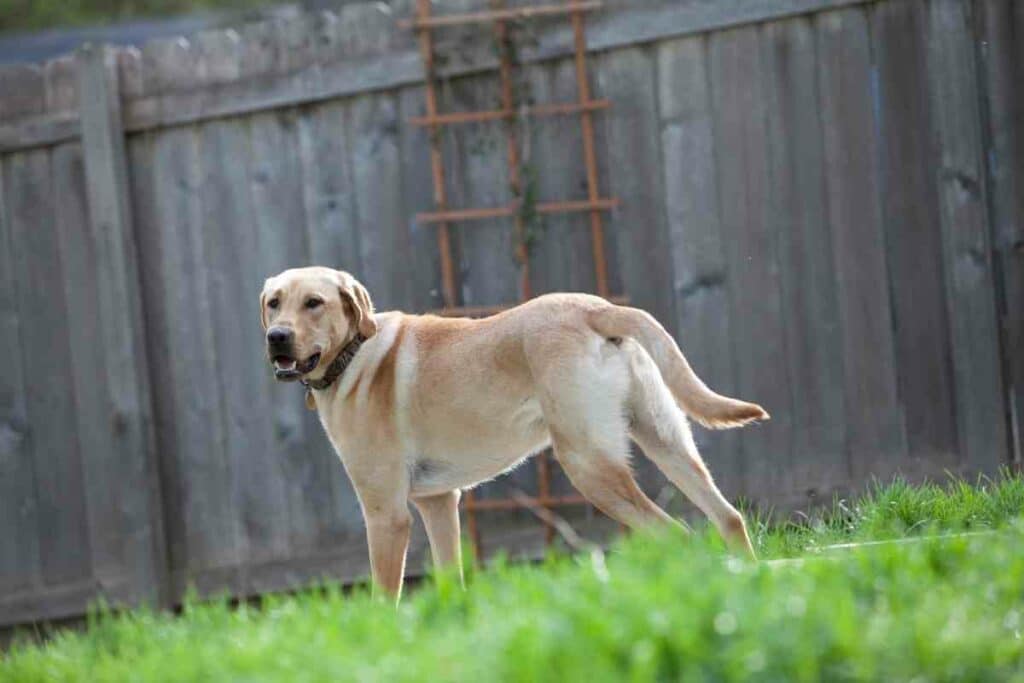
{"x":108,"y":354}
{"x":970,"y":288}
{"x":702,"y":316}
{"x":155,"y":298}
{"x":186,"y":360}
{"x":744,"y":192}
{"x":631,"y":126}
{"x":377,"y":179}
{"x":280,"y":222}
{"x":19,"y":544}
{"x":230,"y":247}
{"x":46,"y":357}
{"x":23,"y":87}
{"x":875,"y":436}
{"x":418,"y":195}
{"x":913,"y":242}
{"x":1001,"y":24}
{"x":328,"y":188}
{"x":562,"y":258}
{"x":798,"y":216}
{"x":94,"y":424}
{"x":477,"y":174}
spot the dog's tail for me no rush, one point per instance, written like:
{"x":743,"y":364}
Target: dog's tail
{"x":693,"y":396}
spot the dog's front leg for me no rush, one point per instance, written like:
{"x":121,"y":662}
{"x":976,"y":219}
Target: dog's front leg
{"x":387,"y":532}
{"x":381,"y":483}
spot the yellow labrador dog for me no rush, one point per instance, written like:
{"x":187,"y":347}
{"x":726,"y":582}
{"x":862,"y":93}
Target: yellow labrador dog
{"x":419,"y":407}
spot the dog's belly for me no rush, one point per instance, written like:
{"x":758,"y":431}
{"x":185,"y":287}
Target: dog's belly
{"x":476,"y":450}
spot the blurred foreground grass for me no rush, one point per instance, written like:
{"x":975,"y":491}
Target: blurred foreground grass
{"x":654,"y":607}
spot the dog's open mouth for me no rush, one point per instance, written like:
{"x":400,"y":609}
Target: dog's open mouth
{"x":288,"y":368}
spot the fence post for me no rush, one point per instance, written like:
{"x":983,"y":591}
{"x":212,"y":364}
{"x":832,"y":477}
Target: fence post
{"x":133,"y":460}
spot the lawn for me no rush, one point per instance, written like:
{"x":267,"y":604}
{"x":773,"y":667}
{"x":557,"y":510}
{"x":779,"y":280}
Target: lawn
{"x":653,"y":607}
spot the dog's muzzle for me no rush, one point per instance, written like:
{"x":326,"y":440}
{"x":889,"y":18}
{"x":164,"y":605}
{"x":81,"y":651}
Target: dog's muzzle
{"x":280,"y":348}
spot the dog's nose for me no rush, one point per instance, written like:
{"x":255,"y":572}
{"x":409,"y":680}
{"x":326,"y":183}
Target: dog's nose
{"x":279,"y":335}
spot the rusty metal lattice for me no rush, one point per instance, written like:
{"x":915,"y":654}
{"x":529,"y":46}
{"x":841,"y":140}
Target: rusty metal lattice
{"x":443,"y":215}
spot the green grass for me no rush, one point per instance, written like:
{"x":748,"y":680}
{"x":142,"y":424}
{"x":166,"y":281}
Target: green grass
{"x":655,"y":607}
{"x":30,"y":15}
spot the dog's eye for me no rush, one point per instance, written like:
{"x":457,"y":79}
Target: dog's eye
{"x":273,"y":303}
{"x":313,"y":303}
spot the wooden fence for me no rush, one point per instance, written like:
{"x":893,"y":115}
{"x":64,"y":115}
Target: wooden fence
{"x":823,"y":199}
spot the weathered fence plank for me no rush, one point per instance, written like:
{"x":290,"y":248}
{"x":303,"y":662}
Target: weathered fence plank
{"x":913,"y":245}
{"x":209,"y":524}
{"x":329,"y":190}
{"x":798,"y":215}
{"x":553,"y":170}
{"x":702,"y":316}
{"x":384,"y":248}
{"x":280,"y":220}
{"x":107,"y":360}
{"x":418,"y":195}
{"x":1001,"y":27}
{"x":256,"y":488}
{"x":46,"y":357}
{"x":477,"y":168}
{"x":753,"y":276}
{"x":874,"y":418}
{"x":970,"y":289}
{"x":19,"y":544}
{"x":232,"y":247}
{"x":631,"y":126}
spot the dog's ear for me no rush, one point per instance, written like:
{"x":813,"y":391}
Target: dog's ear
{"x":359,"y":299}
{"x":263,"y":309}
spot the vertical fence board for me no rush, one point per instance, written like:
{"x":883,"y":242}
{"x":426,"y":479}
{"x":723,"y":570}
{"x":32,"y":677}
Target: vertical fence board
{"x":1002,"y":44}
{"x":913,"y":245}
{"x":19,"y":544}
{"x":477,"y":173}
{"x":874,"y":418}
{"x":750,"y":248}
{"x":562,"y":251}
{"x":330,"y":201}
{"x":377,"y":172}
{"x":970,"y":292}
{"x":231,"y":249}
{"x":702,"y":318}
{"x":798,"y":215}
{"x":155,"y":294}
{"x":210,"y":529}
{"x":280,"y":220}
{"x":46,"y":356}
{"x":333,"y":238}
{"x":418,"y":195}
{"x":626,"y":77}
{"x":126,"y":529}
{"x":87,"y":362}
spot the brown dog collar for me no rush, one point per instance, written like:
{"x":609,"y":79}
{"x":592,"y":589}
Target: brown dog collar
{"x":335,"y":369}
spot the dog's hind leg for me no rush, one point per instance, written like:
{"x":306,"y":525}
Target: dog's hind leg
{"x":606,"y":481}
{"x":584,"y":406}
{"x":660,"y":428}
{"x":441,"y":518}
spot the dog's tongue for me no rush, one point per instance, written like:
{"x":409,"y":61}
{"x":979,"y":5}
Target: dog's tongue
{"x":285,"y":363}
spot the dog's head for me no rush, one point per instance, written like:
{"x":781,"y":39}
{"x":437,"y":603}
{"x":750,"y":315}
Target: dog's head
{"x":309,"y":315}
